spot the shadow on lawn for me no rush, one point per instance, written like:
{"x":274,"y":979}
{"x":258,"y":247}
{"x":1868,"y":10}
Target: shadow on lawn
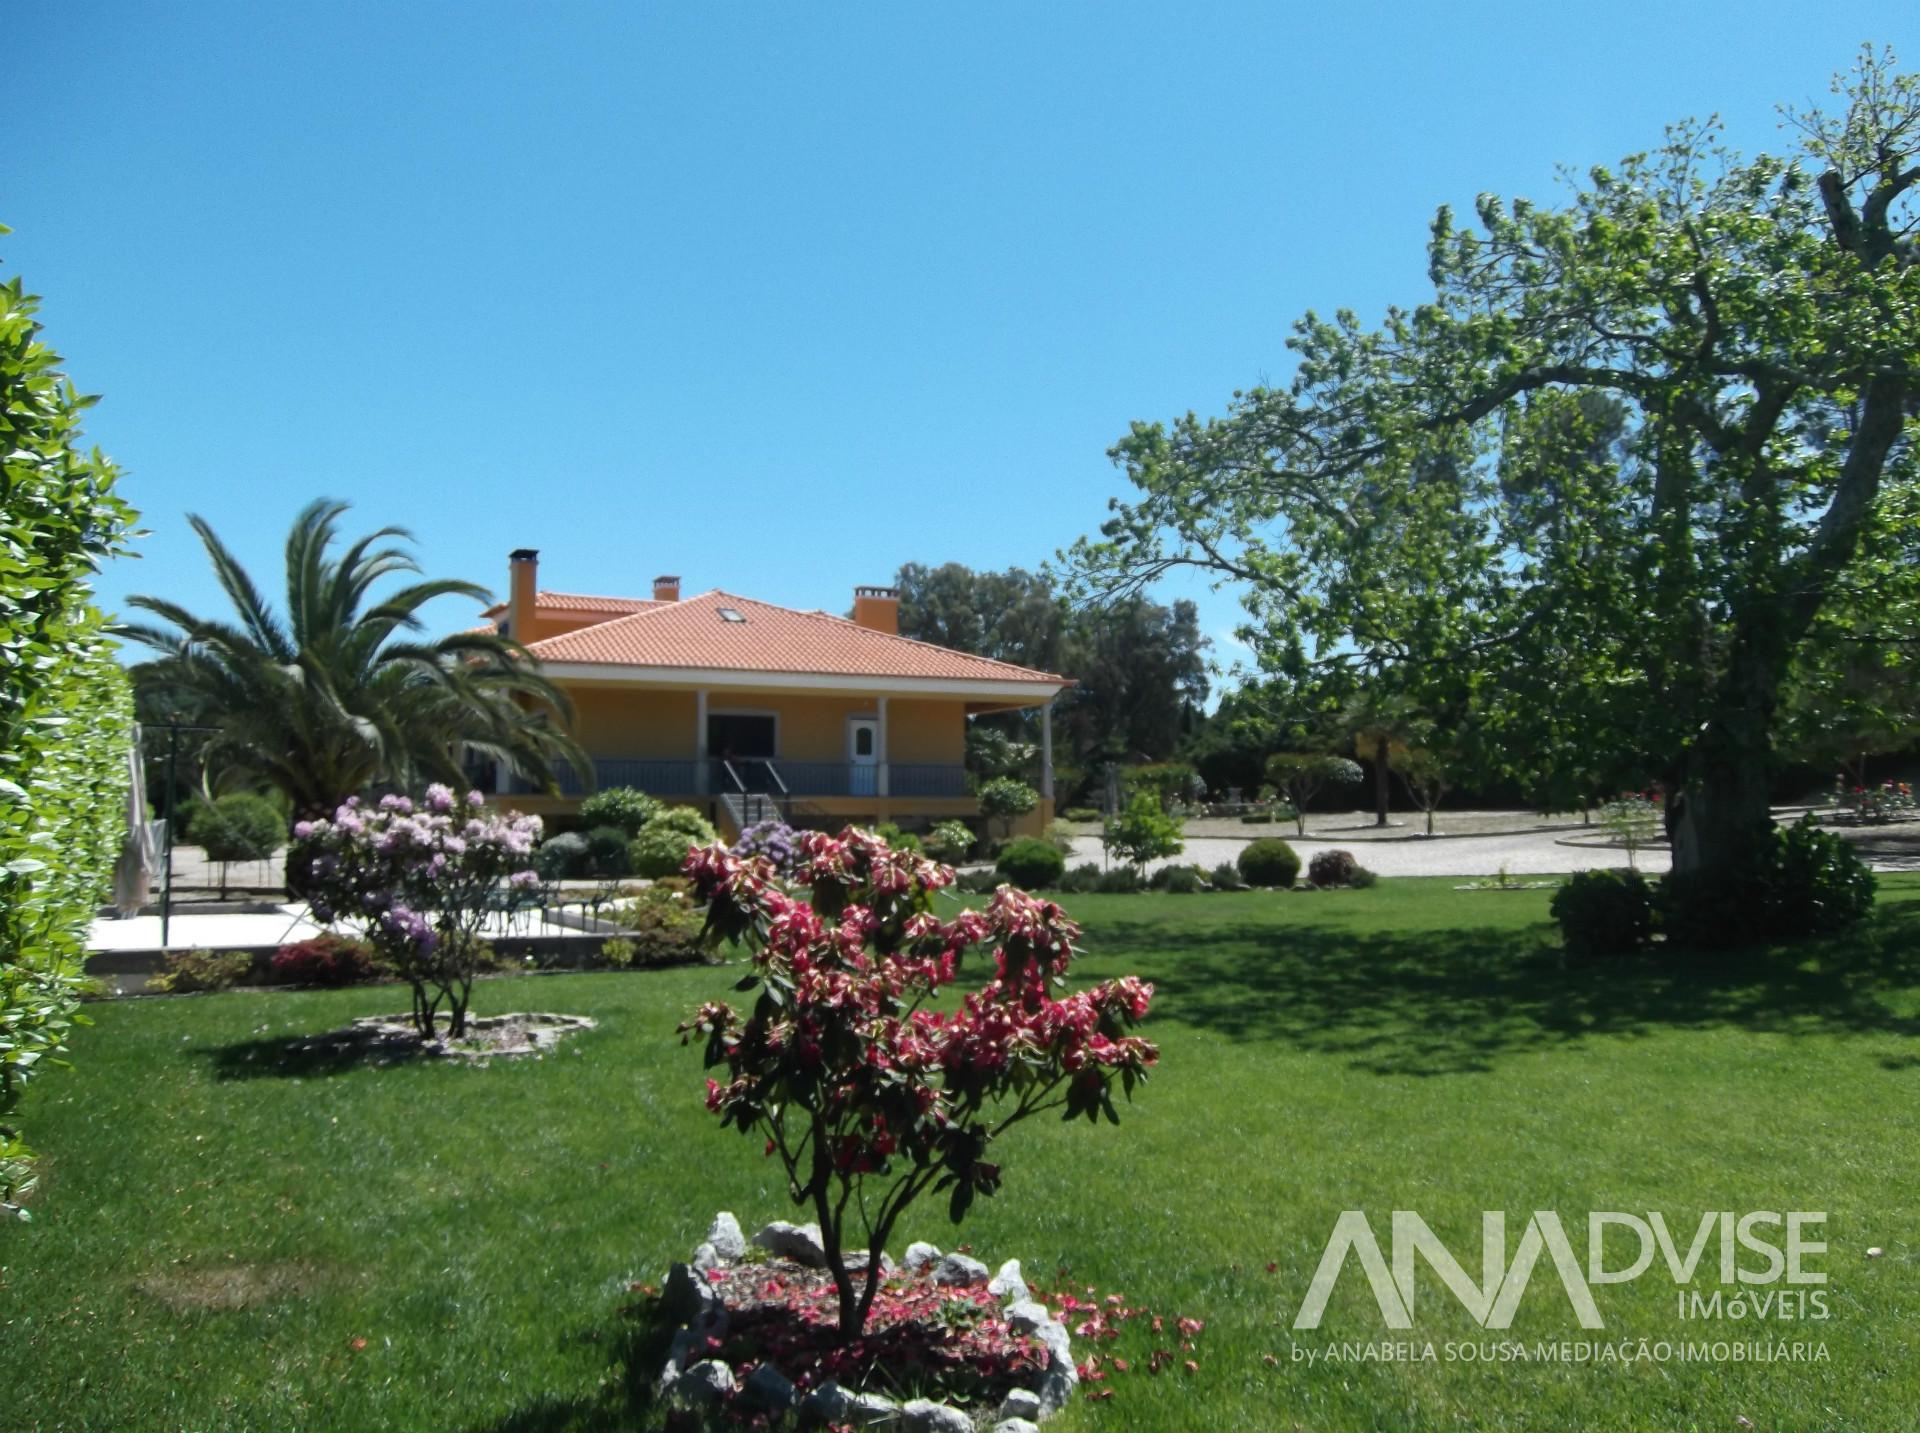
{"x":306,"y":1056}
{"x":1443,"y":1002}
{"x":639,"y":1341}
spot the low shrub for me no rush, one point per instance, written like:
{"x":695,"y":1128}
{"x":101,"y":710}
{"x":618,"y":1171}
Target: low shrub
{"x":664,"y":925}
{"x":619,"y":806}
{"x":190,"y":970}
{"x":662,"y":845}
{"x":1120,"y":881}
{"x":978,"y":883}
{"x":1083,"y":877}
{"x":1363,"y":879}
{"x":1178,"y":880}
{"x":774,"y":839}
{"x":1080,"y":814}
{"x":1226,"y":877}
{"x":1819,"y":882}
{"x":1257,"y":818}
{"x":617,"y":953}
{"x":325,"y":960}
{"x":1332,"y":868}
{"x":562,"y":858}
{"x":900,"y":840}
{"x":950,"y":841}
{"x":1604,"y":912}
{"x":1800,"y":881}
{"x":607,"y":853}
{"x":1269,"y":862}
{"x":1031,"y":864}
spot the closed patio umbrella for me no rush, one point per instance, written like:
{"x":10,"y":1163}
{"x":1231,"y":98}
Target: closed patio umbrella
{"x":133,"y":872}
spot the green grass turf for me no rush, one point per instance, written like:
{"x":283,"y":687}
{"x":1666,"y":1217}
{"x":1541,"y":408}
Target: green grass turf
{"x":219,"y":1225}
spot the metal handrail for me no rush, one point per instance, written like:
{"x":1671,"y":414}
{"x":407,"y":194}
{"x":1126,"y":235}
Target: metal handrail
{"x":739,"y":784}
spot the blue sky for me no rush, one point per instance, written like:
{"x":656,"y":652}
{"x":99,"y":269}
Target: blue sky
{"x":776,"y":297}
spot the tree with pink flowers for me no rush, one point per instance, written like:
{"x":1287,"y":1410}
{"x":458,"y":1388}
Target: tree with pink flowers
{"x":867,"y":1096}
{"x":421,"y":880}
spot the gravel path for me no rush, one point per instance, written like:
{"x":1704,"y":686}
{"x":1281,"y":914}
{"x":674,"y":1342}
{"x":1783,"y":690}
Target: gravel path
{"x":1529,"y":853}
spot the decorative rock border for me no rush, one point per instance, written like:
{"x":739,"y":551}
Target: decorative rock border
{"x":702,"y":1313}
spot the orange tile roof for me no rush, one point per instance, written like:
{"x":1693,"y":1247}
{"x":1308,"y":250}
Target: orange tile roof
{"x":693,"y":634}
{"x":579,"y":602}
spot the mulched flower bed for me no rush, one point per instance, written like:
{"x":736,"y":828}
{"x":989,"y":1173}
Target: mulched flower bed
{"x":921,"y":1339}
{"x":392,"y":1037}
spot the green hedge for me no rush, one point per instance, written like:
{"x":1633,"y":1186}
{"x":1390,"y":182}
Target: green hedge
{"x":65,"y":709}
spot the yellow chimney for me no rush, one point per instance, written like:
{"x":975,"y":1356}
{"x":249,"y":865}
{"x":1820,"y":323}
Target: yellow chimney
{"x":877,"y":608}
{"x":523,"y":572}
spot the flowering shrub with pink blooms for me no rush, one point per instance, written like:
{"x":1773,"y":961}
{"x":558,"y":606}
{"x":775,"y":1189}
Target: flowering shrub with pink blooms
{"x":868,"y":1097}
{"x":420,"y":880}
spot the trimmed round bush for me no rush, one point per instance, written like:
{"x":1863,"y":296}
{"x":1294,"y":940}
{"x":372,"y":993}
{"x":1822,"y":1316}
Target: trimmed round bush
{"x":607,"y":852}
{"x":239,"y":826}
{"x":562,"y":857}
{"x":620,"y":806}
{"x":1031,"y":864}
{"x":1179,"y":880}
{"x":663,"y":843}
{"x":1269,"y":862}
{"x":1604,"y":912}
{"x":1332,"y":868}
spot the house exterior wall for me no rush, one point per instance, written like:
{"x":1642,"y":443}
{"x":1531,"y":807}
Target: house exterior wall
{"x":661,"y":723}
{"x":654,"y":722}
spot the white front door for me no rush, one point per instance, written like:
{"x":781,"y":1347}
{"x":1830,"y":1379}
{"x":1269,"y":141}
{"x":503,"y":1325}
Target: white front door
{"x":863,"y":755}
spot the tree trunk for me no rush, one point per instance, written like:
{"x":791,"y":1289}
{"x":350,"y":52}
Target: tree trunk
{"x":1725,"y":799}
{"x":1380,"y":781}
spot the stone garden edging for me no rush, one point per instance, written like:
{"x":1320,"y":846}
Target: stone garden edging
{"x":702,"y":1313}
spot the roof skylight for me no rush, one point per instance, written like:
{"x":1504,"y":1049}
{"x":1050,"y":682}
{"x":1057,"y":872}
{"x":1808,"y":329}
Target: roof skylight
{"x":731,"y":614}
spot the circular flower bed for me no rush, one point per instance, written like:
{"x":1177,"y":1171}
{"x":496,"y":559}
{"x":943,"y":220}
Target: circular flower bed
{"x":760,"y":1334}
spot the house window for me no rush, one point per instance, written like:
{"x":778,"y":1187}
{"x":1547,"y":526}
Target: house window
{"x":742,"y":735}
{"x":863,"y":741}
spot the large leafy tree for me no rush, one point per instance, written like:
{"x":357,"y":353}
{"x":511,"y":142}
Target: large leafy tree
{"x":1598,"y":492}
{"x":1139,"y":666}
{"x":340,"y":692}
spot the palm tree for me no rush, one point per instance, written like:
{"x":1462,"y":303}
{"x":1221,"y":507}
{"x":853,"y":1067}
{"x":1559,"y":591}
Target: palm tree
{"x":336,"y":695}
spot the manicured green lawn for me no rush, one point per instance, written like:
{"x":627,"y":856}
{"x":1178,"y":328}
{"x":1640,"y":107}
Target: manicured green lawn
{"x":219,"y":1228}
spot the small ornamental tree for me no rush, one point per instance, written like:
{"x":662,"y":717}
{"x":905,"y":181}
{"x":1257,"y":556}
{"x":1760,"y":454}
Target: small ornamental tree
{"x":1426,"y":775}
{"x":422,"y":882}
{"x":1143,"y":832}
{"x":239,"y":826}
{"x":1301,"y":776}
{"x":867,"y":1098}
{"x":1005,"y":799}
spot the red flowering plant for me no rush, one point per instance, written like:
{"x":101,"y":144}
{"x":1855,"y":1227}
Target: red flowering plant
{"x":868,"y":1097}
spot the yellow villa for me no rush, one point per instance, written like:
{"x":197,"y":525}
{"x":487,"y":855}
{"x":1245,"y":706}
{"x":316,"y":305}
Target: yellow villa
{"x":746,"y":709}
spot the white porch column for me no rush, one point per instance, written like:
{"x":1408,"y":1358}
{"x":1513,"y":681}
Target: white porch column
{"x":701,"y":770}
{"x":880,"y":752}
{"x":1046,"y":750}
